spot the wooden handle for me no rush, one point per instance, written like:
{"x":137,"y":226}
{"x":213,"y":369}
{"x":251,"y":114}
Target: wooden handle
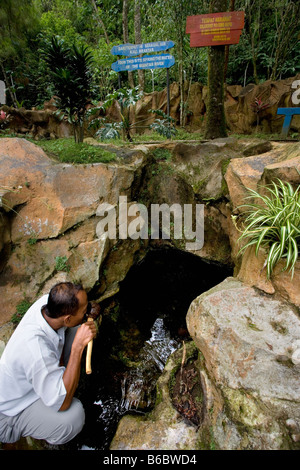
{"x":88,"y":359}
{"x":88,"y":363}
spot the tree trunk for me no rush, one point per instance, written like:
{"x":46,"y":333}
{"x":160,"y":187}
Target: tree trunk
{"x":231,"y":8}
{"x":215,"y":117}
{"x":181,"y":80}
{"x":100,"y":21}
{"x":126,"y":35}
{"x":138,"y":39}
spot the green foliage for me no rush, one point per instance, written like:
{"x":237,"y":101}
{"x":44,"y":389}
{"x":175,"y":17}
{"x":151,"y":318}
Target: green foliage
{"x":70,"y":69}
{"x":165,"y":126}
{"x":162,"y":154}
{"x":274,"y":224}
{"x":268,"y":47}
{"x":21,"y":309}
{"x":126,"y":98}
{"x":110,"y":130}
{"x":68,"y":151}
{"x":61,"y":264}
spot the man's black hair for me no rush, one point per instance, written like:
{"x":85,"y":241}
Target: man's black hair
{"x":62,"y":300}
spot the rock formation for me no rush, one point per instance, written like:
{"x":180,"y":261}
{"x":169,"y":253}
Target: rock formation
{"x":246,"y":329}
{"x":251,"y":383}
{"x":49,"y":216}
{"x":241,"y":117}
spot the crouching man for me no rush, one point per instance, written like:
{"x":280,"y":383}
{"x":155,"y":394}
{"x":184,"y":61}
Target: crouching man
{"x":40,"y":368}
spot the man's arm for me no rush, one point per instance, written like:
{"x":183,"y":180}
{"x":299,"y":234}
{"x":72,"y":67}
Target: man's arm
{"x":85,"y":333}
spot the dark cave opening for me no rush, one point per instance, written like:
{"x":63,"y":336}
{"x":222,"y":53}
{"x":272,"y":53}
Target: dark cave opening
{"x":141,"y":326}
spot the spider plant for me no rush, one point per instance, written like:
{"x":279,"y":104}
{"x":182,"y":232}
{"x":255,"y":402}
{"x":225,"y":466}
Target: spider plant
{"x":273,"y":223}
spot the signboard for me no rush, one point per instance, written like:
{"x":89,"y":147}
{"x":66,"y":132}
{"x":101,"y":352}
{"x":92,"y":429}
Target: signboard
{"x":137,"y":49}
{"x":215,"y":22}
{"x":146,"y":62}
{"x":215,"y":29}
{"x":215,"y":39}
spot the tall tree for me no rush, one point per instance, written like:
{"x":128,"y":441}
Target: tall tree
{"x":138,"y":38}
{"x":126,"y":35}
{"x":231,"y":8}
{"x":99,"y":20}
{"x":215,"y":116}
{"x":18,"y":20}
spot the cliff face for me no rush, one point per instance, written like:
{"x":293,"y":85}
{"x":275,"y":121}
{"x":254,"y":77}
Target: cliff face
{"x":246,"y":328}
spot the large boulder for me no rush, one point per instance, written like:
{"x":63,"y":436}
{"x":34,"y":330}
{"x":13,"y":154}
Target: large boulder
{"x":38,"y":123}
{"x":248,"y":342}
{"x":256,"y":172}
{"x":49,"y":219}
{"x":162,"y":429}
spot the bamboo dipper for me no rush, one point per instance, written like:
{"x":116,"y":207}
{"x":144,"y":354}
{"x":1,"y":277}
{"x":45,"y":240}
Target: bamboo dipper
{"x":93,"y":314}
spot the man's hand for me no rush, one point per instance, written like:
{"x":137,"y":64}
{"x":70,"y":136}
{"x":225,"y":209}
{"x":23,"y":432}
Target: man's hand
{"x":85,"y":333}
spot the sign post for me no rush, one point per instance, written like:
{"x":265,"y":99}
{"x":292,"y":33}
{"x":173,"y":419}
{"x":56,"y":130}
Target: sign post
{"x":215,"y":29}
{"x":146,"y":62}
{"x":137,"y":49}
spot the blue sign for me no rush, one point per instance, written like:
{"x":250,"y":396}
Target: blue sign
{"x":288,"y":114}
{"x":147,"y":62}
{"x":137,"y":49}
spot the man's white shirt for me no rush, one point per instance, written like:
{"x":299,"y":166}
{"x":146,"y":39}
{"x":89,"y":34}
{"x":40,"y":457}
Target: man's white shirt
{"x":29,"y":365}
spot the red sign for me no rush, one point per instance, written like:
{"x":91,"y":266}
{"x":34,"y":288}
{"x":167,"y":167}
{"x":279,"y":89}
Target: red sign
{"x":215,"y":39}
{"x":215,"y":29}
{"x":215,"y":21}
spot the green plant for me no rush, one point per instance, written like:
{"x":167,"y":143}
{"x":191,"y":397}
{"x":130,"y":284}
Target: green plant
{"x":61,"y":264}
{"x":162,"y":154}
{"x":274,"y":224}
{"x":21,"y":309}
{"x":71,"y":71}
{"x":258,"y":106}
{"x":126,"y":98}
{"x":110,"y":130}
{"x":68,"y":151}
{"x":165,"y":126}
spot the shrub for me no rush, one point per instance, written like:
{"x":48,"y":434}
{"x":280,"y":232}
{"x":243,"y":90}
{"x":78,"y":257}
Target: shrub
{"x":21,"y":309}
{"x":61,"y":264}
{"x":274,"y":224}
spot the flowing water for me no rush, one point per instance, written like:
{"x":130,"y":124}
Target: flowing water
{"x":138,"y":385}
{"x":134,"y":390}
{"x":141,"y":327}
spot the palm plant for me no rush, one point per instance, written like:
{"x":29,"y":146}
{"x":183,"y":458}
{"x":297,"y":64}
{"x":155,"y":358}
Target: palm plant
{"x":70,"y":69}
{"x":126,"y":98}
{"x":274,"y":224}
{"x":166,"y":126}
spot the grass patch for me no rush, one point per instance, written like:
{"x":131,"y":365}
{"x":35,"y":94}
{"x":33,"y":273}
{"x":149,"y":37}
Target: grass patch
{"x":68,"y":151}
{"x":162,"y":154}
{"x":21,"y":309}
